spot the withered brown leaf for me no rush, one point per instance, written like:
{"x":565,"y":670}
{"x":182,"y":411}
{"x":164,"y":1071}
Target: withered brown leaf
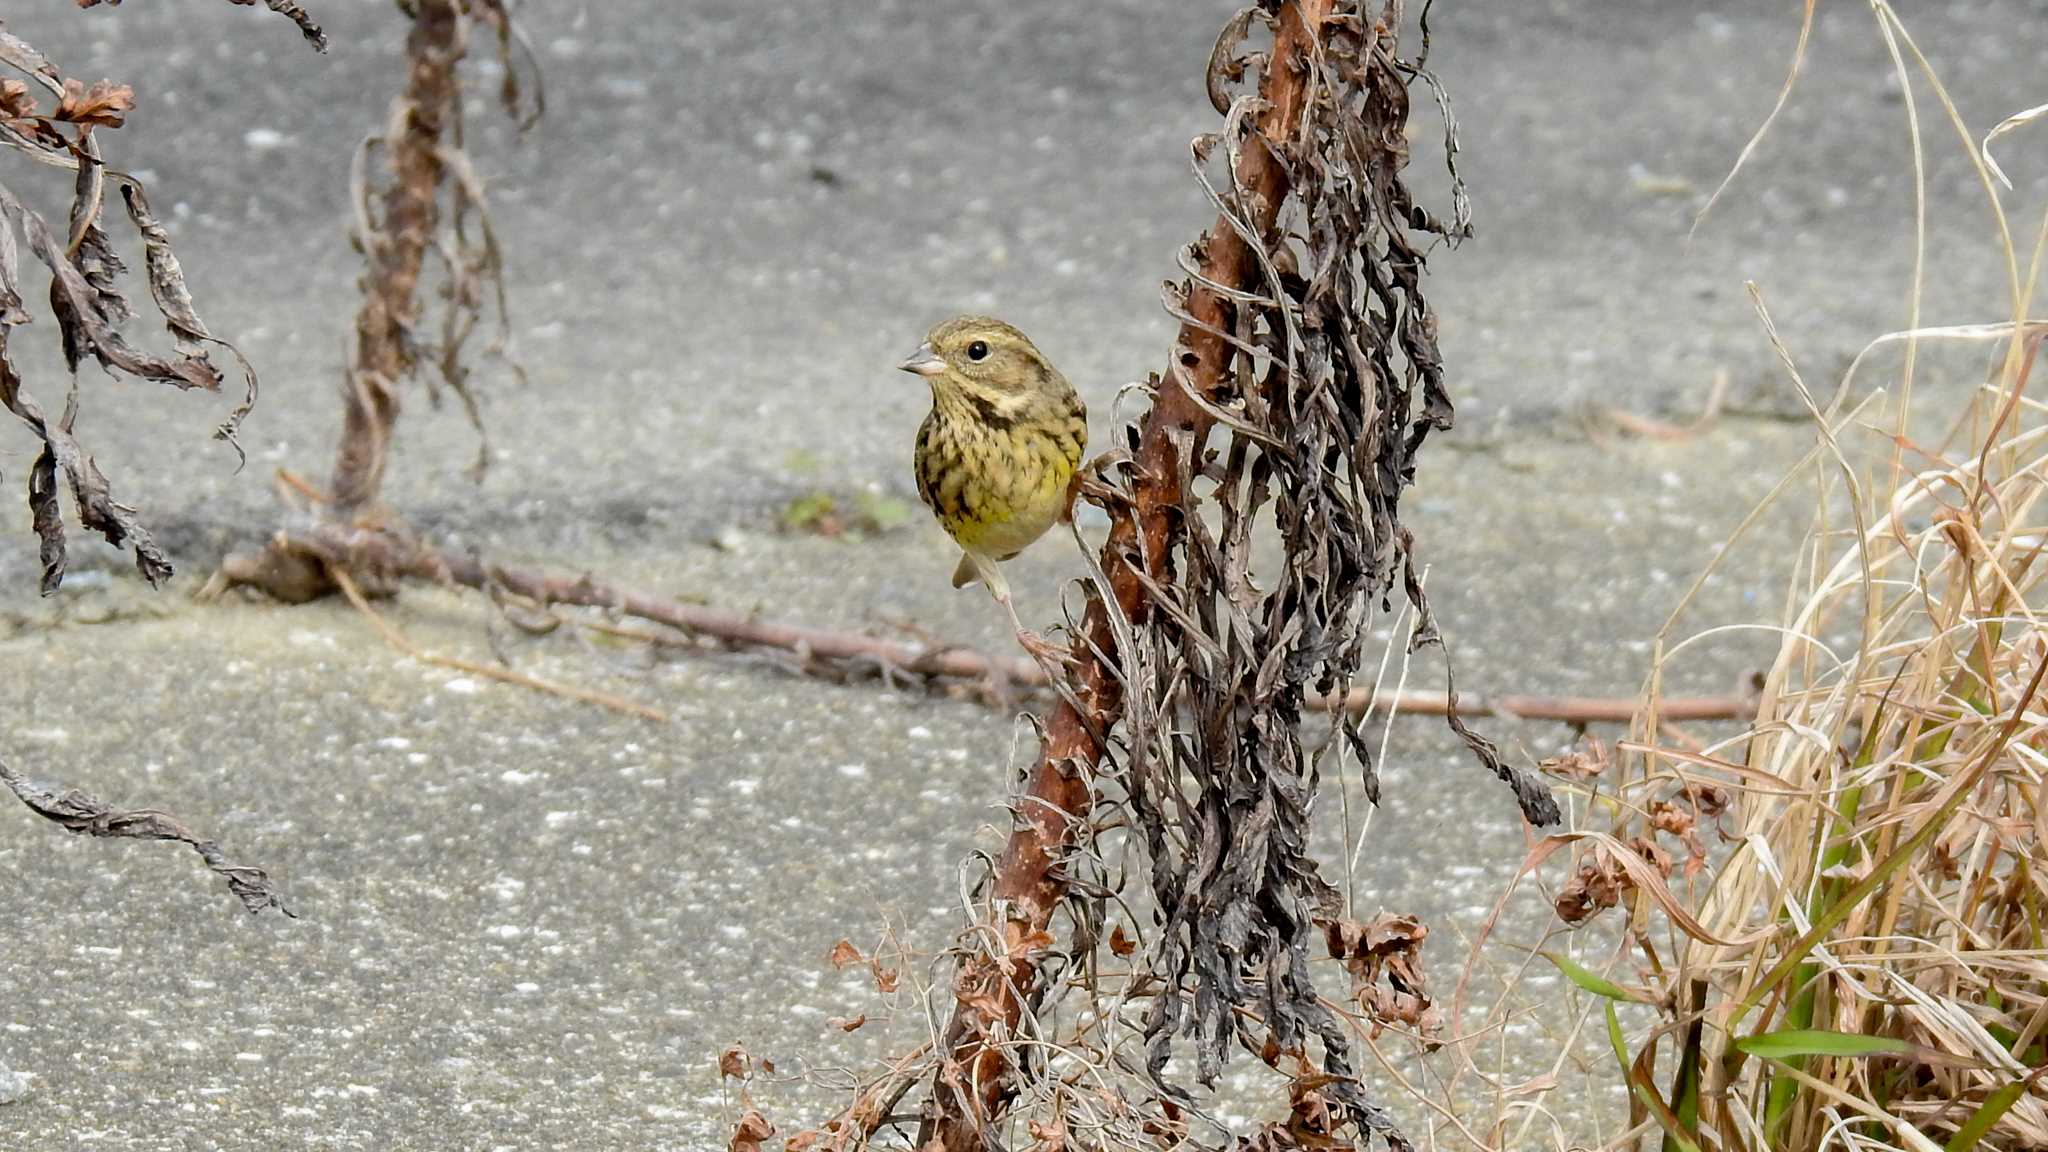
{"x":1031,"y":944}
{"x":844,"y":955}
{"x":1048,"y":1137}
{"x":747,"y":1135}
{"x":846,"y":1025}
{"x":15,"y":100}
{"x":1586,"y":762}
{"x":1120,"y":944}
{"x":1384,"y":958}
{"x":105,"y":103}
{"x":732,"y":1063}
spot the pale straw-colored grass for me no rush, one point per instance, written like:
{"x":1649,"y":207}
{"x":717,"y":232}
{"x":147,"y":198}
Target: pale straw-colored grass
{"x":1825,"y":931}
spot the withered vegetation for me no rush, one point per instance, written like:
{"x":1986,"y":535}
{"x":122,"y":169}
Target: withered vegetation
{"x":1303,"y":384}
{"x":427,"y":213}
{"x":86,"y":815}
{"x":57,"y":121}
{"x":1824,"y":931}
{"x":289,"y":9}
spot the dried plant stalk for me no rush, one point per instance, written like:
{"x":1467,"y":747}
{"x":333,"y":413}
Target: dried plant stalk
{"x":395,"y":249}
{"x":994,"y":989}
{"x":426,"y":161}
{"x":1306,"y":374}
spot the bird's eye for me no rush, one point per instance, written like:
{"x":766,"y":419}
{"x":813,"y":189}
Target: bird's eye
{"x":978,"y":350}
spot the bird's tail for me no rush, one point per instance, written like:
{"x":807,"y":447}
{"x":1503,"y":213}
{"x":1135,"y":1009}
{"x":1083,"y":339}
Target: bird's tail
{"x":968,"y":571}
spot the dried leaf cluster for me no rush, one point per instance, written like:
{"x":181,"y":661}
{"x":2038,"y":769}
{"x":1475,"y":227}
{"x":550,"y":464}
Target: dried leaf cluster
{"x":1331,"y":385}
{"x":87,"y":302}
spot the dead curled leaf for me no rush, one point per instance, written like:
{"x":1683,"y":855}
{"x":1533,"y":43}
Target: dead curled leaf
{"x":751,"y":1131}
{"x":97,"y":508}
{"x":1384,"y":958}
{"x":885,"y":978}
{"x":1312,"y":1125}
{"x":1120,"y":944}
{"x":105,"y":103}
{"x":844,"y":955}
{"x":847,"y":1025}
{"x":1670,"y":819}
{"x":86,"y":815}
{"x":1601,"y":881}
{"x":1709,"y":800}
{"x":733,"y":1063}
{"x":1048,"y":1136}
{"x":1589,"y":761}
{"x":16,"y":102}
{"x":1597,"y":885}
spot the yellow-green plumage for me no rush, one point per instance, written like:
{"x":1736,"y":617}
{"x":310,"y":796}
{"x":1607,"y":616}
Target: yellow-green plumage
{"x":1003,"y":439}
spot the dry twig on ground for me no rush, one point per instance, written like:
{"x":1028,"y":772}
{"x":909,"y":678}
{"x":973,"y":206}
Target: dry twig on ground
{"x":319,"y":550}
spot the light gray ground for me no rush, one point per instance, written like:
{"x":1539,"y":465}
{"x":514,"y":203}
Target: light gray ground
{"x":528,"y":923}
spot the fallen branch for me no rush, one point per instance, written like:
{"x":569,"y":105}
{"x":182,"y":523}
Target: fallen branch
{"x":332,"y":550}
{"x":87,"y":815}
{"x":1562,"y":709}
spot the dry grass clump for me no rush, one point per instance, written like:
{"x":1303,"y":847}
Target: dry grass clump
{"x":1826,"y":931}
{"x":1865,"y":968}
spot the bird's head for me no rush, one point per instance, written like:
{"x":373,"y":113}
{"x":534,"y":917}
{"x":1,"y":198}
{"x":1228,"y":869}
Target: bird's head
{"x":981,"y":356}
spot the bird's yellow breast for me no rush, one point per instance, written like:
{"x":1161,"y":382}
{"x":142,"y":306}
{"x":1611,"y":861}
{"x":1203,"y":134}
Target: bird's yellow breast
{"x":997,"y":484}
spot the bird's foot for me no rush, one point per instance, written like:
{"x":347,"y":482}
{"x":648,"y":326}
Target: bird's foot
{"x":1049,"y":655}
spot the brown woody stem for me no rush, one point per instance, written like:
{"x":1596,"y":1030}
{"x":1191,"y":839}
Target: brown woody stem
{"x":395,"y":250}
{"x":993,"y":989}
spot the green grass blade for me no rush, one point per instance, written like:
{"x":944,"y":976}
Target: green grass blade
{"x":1686,"y":1091}
{"x":1994,"y":1107}
{"x":1614,"y":1038}
{"x":1789,"y":1043}
{"x":1592,"y":981}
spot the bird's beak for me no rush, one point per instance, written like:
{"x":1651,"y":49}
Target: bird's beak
{"x":924,"y":361}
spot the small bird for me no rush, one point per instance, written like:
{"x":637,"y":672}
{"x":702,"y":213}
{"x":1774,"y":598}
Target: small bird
{"x":997,"y":452}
